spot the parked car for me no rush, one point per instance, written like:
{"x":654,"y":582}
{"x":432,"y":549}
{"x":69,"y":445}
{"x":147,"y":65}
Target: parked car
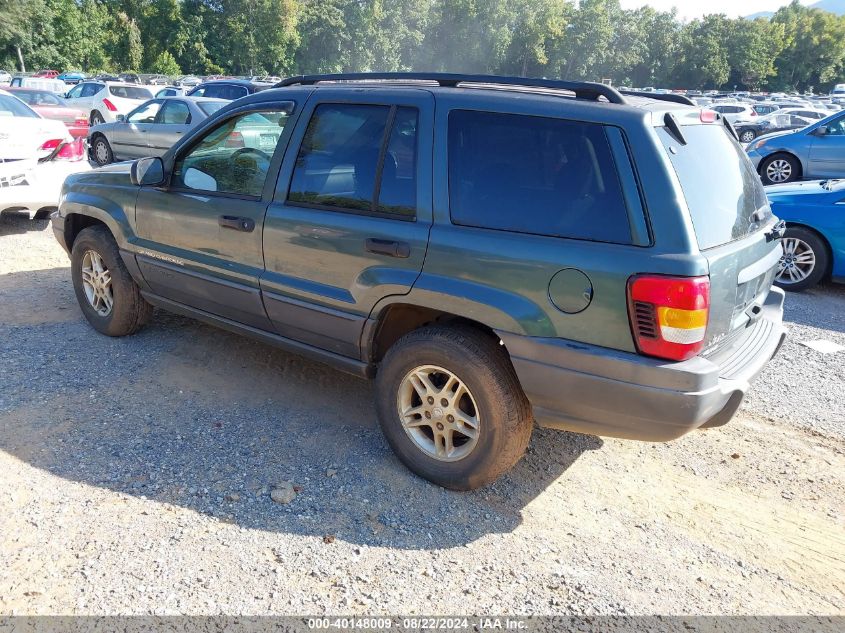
{"x":36,"y":154}
{"x":71,"y":77}
{"x":104,"y":101}
{"x":150,"y":129}
{"x":51,"y":106}
{"x":129,"y":78}
{"x":39,"y":83}
{"x":775,"y":122}
{"x":170,"y":91}
{"x":551,"y":250}
{"x":814,"y":243}
{"x":811,"y":153}
{"x":47,"y":74}
{"x":735,"y":111}
{"x":229,"y":89}
{"x":188,"y":81}
{"x":762,"y":109}
{"x":157,"y":80}
{"x":5,"y":77}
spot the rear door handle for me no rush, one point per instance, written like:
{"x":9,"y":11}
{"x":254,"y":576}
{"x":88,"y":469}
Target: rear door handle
{"x":247,"y":225}
{"x":402,"y":250}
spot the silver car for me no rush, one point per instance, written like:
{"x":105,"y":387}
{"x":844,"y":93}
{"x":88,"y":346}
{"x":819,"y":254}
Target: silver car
{"x":150,"y":129}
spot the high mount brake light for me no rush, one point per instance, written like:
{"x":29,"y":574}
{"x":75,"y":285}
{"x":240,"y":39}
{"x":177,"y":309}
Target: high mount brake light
{"x":669,"y":314}
{"x":708,"y":116}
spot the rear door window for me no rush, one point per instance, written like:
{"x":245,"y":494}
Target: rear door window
{"x":174,"y":113}
{"x":529,"y":174}
{"x":724,"y":194}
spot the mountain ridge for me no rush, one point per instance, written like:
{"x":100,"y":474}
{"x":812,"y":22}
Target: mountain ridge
{"x":832,"y":6}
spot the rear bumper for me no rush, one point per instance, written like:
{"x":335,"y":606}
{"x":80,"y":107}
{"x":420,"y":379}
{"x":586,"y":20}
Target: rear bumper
{"x":598,"y":391}
{"x":30,"y":186}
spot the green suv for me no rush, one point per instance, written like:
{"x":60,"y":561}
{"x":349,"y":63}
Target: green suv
{"x":492,"y":250}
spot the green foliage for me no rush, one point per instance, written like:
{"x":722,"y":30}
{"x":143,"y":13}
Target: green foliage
{"x":797,"y":49}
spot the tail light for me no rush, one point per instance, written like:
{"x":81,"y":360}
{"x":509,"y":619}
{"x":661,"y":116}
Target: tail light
{"x":235,"y":139}
{"x":80,"y":122}
{"x":754,"y":113}
{"x":669,"y":314}
{"x":109,"y":105}
{"x":52,"y":144}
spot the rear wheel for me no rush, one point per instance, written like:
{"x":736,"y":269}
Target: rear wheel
{"x":451,"y":406}
{"x":746,"y":136}
{"x":109,"y":297}
{"x":804,"y":260}
{"x":779,"y":169}
{"x":97,"y":118}
{"x":101,"y":150}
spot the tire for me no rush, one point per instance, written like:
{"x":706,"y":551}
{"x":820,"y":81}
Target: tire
{"x":808,"y":255}
{"x":503,"y":418}
{"x":128,"y":311}
{"x":96,"y":118}
{"x":101,"y":151}
{"x":746,"y":136}
{"x":779,"y":169}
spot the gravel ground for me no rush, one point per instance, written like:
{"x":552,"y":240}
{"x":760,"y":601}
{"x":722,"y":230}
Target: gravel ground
{"x":137,"y":477}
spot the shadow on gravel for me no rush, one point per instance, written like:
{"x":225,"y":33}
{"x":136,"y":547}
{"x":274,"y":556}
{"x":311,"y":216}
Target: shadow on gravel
{"x":13,"y":223}
{"x":193,"y":416}
{"x":822,"y":307}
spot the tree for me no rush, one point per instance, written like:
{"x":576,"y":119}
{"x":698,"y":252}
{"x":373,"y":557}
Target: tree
{"x":753,"y":47}
{"x":165,"y":64}
{"x":537,"y":27}
{"x":705,"y":62}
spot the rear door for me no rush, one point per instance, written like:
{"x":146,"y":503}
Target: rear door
{"x":730,"y":215}
{"x":351,"y":215}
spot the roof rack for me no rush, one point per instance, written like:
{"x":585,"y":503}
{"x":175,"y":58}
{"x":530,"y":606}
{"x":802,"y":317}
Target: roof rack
{"x":582,"y":89}
{"x":660,"y":96}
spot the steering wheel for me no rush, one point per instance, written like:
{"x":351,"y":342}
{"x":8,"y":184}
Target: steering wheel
{"x":251,"y":150}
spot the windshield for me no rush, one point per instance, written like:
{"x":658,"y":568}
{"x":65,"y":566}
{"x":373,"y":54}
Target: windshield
{"x":210,"y":107}
{"x":724,"y":194}
{"x":11,"y":106}
{"x":130,"y":92}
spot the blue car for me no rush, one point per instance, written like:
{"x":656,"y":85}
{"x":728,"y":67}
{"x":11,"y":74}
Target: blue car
{"x":814,"y":242}
{"x":813,"y":152}
{"x":72,"y":77}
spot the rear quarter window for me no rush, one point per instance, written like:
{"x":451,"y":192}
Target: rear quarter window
{"x":537,"y":175}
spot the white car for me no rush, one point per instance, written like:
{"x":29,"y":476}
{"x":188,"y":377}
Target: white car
{"x":5,"y":77}
{"x":734,"y":112}
{"x":36,"y":155}
{"x":104,"y":100}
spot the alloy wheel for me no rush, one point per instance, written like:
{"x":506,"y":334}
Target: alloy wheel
{"x":797,"y":262}
{"x":779,"y":170}
{"x":438,"y":413}
{"x":746,"y":137}
{"x":96,"y":281}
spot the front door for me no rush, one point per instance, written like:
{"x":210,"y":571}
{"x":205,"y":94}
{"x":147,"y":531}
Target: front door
{"x":827,"y":152}
{"x":130,"y":137}
{"x":350,"y":219}
{"x":201,"y":236}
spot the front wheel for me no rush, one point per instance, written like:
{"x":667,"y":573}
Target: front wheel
{"x":746,"y":136}
{"x":451,"y":406}
{"x":779,"y":169}
{"x":109,"y":297}
{"x":804,"y":260}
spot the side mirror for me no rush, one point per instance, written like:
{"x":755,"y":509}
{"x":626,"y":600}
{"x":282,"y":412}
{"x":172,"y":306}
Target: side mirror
{"x":147,"y":172}
{"x":121,"y":118}
{"x":821,"y":130}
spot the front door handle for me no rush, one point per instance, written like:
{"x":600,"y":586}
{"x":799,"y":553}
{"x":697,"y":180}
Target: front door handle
{"x":402,"y":250}
{"x":247,"y":225}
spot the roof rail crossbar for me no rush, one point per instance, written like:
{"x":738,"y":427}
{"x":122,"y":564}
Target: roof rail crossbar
{"x":582,"y":89}
{"x":660,"y":96}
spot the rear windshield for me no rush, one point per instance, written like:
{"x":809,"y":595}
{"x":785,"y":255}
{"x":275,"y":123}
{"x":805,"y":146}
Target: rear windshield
{"x":210,"y":107}
{"x":10,"y":106}
{"x":130,"y":92}
{"x":724,"y":194}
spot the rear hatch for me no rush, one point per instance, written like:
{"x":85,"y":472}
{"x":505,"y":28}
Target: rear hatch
{"x":126,"y":98}
{"x":731,"y":217}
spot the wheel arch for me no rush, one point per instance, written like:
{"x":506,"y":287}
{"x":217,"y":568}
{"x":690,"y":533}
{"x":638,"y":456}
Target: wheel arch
{"x":81,"y":213}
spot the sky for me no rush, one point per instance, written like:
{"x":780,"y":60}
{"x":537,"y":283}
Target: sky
{"x":688,"y":9}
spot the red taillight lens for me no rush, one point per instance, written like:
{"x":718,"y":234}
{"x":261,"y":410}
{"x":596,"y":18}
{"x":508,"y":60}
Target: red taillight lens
{"x":109,"y":105}
{"x":669,"y":314}
{"x":235,"y":139}
{"x":52,"y":144}
{"x":80,"y":122}
{"x":74,"y":150}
